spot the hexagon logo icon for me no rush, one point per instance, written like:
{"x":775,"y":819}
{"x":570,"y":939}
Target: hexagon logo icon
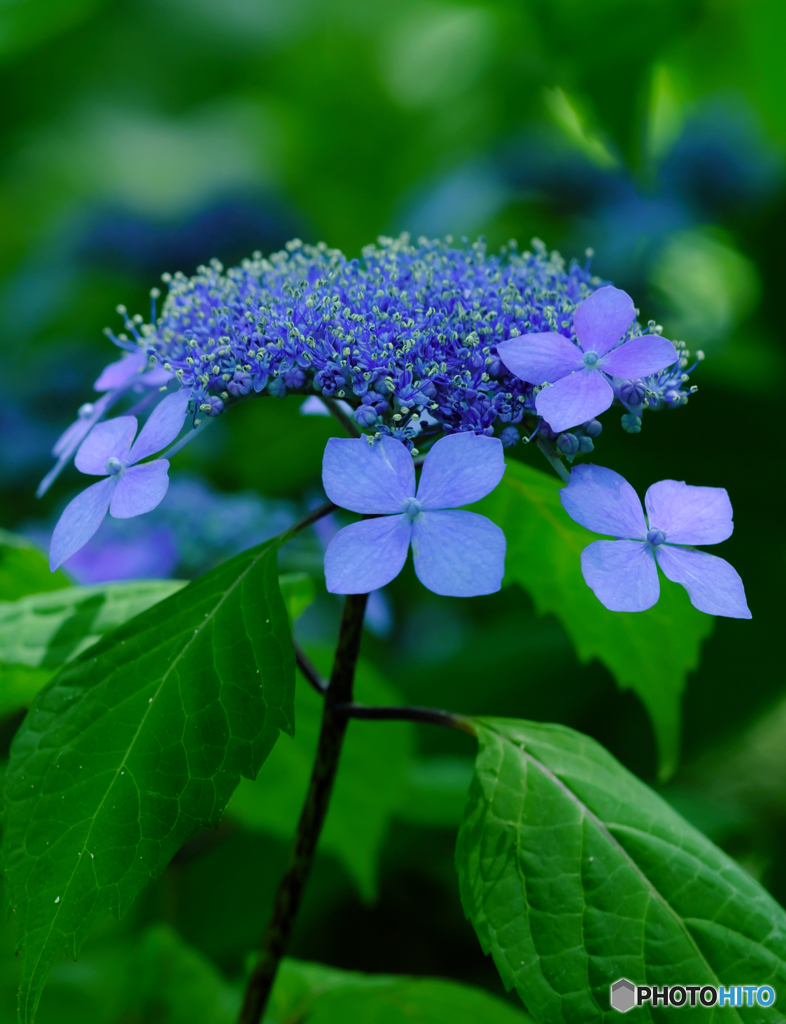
{"x":623,"y":995}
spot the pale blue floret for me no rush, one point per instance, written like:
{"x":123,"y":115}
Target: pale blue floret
{"x":623,"y":572}
{"x":456,"y":553}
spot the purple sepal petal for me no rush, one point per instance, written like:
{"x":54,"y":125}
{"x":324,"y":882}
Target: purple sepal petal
{"x":162,"y":427}
{"x":622,"y":574}
{"x":713,"y":585}
{"x":604,"y":502}
{"x":140,"y":489}
{"x":537,"y":358}
{"x":639,"y":357}
{"x":368,"y":478}
{"x":108,"y":440}
{"x":602,"y":319}
{"x":366,"y":556}
{"x":156,"y":377}
{"x":575,"y":399}
{"x":459,"y":469}
{"x":80,"y":520}
{"x":117,"y":374}
{"x":458,"y":554}
{"x":689,"y":514}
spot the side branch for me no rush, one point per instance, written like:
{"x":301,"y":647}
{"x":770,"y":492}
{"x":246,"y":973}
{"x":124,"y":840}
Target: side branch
{"x":408,"y":713}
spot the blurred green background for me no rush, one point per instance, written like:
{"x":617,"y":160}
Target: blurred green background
{"x":148,"y":136}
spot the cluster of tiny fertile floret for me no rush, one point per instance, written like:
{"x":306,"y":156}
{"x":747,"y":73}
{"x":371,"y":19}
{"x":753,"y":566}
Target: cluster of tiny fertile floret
{"x":406,"y":335}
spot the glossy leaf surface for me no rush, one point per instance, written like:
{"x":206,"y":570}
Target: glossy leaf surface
{"x":134,"y":745}
{"x":575,"y":874}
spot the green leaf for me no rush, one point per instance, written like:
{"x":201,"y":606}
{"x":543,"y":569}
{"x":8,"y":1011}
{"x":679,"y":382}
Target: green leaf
{"x":325,"y":995}
{"x":134,"y":745}
{"x":575,"y":874}
{"x":24,"y":570}
{"x":26,"y":23}
{"x":370,"y":787}
{"x":47,"y":630}
{"x":298,"y":591}
{"x":650,"y":652}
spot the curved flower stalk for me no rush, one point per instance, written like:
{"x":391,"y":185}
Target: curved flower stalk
{"x":579,"y":374}
{"x":128,"y":489}
{"x":456,"y":553}
{"x":623,"y":573}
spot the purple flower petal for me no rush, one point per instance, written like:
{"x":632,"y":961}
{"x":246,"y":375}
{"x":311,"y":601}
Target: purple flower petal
{"x":366,"y":556}
{"x":713,"y":585}
{"x":140,"y":489}
{"x":602,"y":319}
{"x":368,"y":478}
{"x":458,"y":554}
{"x":80,"y":520}
{"x":162,"y":427}
{"x":460,"y":469}
{"x":575,"y":399}
{"x":622,"y":574}
{"x":537,"y":358}
{"x":639,"y":357}
{"x":604,"y":502}
{"x":117,"y":374}
{"x":688,"y":514}
{"x":109,"y":440}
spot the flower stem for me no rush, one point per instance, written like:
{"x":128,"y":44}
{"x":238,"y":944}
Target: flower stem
{"x":292,"y":885}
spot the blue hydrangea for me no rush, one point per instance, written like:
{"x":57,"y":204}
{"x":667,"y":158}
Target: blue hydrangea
{"x":407,"y":335}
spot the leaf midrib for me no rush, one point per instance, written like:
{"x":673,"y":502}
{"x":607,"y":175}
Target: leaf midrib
{"x":131,"y":745}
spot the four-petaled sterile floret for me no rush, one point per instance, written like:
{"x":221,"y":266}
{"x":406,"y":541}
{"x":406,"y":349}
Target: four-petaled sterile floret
{"x":128,"y":489}
{"x":623,"y":572}
{"x":456,"y":553}
{"x":578,"y":374}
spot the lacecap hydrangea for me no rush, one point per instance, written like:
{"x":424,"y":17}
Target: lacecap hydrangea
{"x":407,"y":345}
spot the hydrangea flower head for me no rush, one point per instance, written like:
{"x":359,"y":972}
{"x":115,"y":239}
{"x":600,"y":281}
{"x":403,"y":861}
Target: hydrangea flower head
{"x":456,"y":553}
{"x":579,"y":373}
{"x":623,"y":572}
{"x":128,"y":489}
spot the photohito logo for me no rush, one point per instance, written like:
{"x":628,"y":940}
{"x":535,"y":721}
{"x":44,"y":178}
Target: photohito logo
{"x":625,"y":995}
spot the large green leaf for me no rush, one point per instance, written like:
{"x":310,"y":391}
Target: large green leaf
{"x":134,"y":745}
{"x":324,"y":995}
{"x":575,"y":874}
{"x":370,"y":787}
{"x":650,"y":652}
{"x":24,"y":570}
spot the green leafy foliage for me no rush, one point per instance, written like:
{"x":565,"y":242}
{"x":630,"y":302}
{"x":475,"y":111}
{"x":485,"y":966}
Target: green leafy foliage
{"x":324,"y":995}
{"x":41,"y":632}
{"x":26,"y":23}
{"x":134,"y":745}
{"x":298,"y":591}
{"x":24,"y":569}
{"x":436,"y":791}
{"x":650,"y":652}
{"x":575,"y":874}
{"x":371,"y":785}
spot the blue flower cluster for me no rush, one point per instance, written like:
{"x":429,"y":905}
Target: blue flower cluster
{"x":407,"y":335}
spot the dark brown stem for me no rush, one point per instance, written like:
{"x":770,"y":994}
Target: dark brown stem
{"x":292,"y":885}
{"x":408,"y":713}
{"x":346,"y":422}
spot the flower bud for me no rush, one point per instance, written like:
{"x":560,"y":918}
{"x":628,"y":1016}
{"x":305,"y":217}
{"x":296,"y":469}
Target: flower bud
{"x":585,"y":445}
{"x":632,"y":392}
{"x":592,"y":428}
{"x":631,"y":423}
{"x":365,"y":415}
{"x":568,"y":444}
{"x":276,"y":387}
{"x":509,"y":437}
